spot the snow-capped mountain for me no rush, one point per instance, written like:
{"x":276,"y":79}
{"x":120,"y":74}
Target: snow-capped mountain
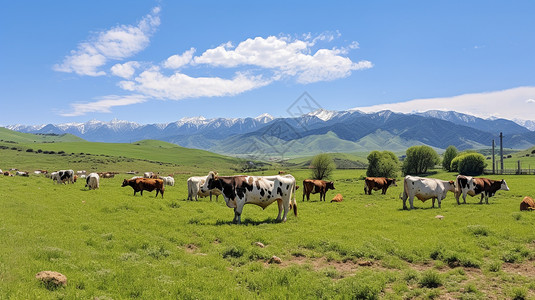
{"x":525,"y":123}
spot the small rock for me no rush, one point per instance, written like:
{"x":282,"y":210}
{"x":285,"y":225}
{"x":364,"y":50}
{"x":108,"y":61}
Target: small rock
{"x":51,"y":279}
{"x":275,"y":260}
{"x":259,"y":244}
{"x":439,"y":217}
{"x":365,"y":263}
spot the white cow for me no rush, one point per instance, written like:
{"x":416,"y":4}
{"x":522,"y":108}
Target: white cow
{"x":194,"y":189}
{"x":148,"y":174}
{"x":259,"y":190}
{"x":425,"y":189}
{"x":168,"y":180}
{"x":81,"y":172}
{"x":92,"y":181}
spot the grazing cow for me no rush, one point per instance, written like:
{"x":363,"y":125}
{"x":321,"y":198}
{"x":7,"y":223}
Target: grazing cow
{"x":147,"y":184}
{"x":313,"y":186}
{"x":107,"y":175}
{"x":64,"y":176}
{"x":92,"y":181}
{"x":337,"y":198}
{"x":527,"y":204}
{"x":259,"y":190}
{"x":148,"y":174}
{"x":194,"y":189}
{"x":81,"y":172}
{"x":425,"y":189}
{"x":22,"y":173}
{"x":378,"y":183}
{"x":168,"y":180}
{"x":467,"y":185}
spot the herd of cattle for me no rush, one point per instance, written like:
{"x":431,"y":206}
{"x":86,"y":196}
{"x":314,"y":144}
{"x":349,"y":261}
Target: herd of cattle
{"x":239,"y":190}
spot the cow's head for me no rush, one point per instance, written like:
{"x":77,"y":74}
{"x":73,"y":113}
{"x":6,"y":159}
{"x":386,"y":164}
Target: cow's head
{"x":504,"y":186}
{"x":330,"y":185}
{"x":393,"y":181}
{"x":125,"y":183}
{"x":210,"y":183}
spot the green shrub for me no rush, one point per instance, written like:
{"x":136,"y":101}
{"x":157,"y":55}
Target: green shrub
{"x":449,"y":155}
{"x":471,"y":164}
{"x":430,"y":279}
{"x":382,"y":164}
{"x":419,"y":159}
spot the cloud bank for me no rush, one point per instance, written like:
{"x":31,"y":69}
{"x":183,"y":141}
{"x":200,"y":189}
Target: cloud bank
{"x":515,"y":103}
{"x":117,"y":43}
{"x":253,"y":63}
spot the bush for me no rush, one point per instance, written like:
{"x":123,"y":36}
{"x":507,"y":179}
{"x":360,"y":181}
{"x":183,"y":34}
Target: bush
{"x":419,"y":159}
{"x":471,"y":164}
{"x":29,"y":150}
{"x":449,"y":155}
{"x":430,"y":279}
{"x":322,"y":166}
{"x":382,"y":164}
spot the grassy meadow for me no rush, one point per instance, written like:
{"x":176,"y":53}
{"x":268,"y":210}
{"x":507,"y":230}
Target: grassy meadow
{"x":113,"y":245}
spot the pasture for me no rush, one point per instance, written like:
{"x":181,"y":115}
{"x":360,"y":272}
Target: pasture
{"x":112,"y":245}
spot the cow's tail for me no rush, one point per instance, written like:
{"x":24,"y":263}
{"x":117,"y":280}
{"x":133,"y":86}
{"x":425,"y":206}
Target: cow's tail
{"x":294,"y":203}
{"x":405,"y":194}
{"x":190,"y":190}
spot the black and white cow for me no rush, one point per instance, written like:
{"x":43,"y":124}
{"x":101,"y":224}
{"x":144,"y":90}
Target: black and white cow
{"x":92,"y":181}
{"x":259,"y":190}
{"x":64,"y":176}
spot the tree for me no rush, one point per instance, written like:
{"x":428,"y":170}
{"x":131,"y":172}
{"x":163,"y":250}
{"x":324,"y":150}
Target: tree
{"x":471,"y":164}
{"x":419,"y":159}
{"x":449,"y":155}
{"x":322,"y":166}
{"x":382,"y":164}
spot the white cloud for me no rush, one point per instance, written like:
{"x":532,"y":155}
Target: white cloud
{"x":530,"y":101}
{"x":180,"y":86}
{"x":177,"y":61}
{"x":125,"y":70}
{"x":103,"y":105}
{"x":115,"y":44}
{"x":509,"y":104}
{"x":286,"y":57}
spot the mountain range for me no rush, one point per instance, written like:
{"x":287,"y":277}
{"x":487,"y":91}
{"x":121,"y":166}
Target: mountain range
{"x":318,"y":131}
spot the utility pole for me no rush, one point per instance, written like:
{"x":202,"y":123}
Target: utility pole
{"x":493,"y":159}
{"x":501,"y":152}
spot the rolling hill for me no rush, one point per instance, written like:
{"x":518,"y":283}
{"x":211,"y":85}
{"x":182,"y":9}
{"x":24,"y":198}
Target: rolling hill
{"x":319,"y":131}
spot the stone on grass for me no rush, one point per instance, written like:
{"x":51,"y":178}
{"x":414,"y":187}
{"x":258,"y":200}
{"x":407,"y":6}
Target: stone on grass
{"x":52,"y":280}
{"x":275,"y":260}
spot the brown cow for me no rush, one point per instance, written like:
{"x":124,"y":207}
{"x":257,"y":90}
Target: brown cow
{"x":467,"y":185}
{"x":313,"y":186}
{"x":527,"y":204}
{"x":337,"y":198}
{"x":147,"y":184}
{"x":378,"y":183}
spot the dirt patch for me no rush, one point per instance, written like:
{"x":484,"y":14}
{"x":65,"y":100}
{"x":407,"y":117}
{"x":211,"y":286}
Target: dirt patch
{"x":526,"y":269}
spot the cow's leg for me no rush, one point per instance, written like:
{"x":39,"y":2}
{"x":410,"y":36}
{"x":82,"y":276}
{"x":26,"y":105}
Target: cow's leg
{"x":433,"y":206}
{"x":439,"y":202}
{"x":482,"y":195}
{"x":161,"y":193}
{"x":464,"y":197}
{"x":286,"y":206}
{"x":279,"y":202}
{"x":238,"y":210}
{"x":411,"y":202}
{"x":486,"y":198}
{"x":210,"y":196}
{"x":235,"y":220}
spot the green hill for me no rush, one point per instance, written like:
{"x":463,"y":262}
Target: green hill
{"x":7,"y":135}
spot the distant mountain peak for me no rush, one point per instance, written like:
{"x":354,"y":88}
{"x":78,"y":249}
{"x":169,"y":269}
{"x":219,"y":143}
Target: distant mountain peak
{"x":264,"y":118}
{"x":323,"y":114}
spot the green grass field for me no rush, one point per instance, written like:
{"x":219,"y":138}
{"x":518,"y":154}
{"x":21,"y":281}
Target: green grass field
{"x":113,"y":245}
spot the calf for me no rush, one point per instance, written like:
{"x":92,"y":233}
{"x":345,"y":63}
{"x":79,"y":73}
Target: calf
{"x":145,"y":184}
{"x":313,"y":186}
{"x":467,"y":185}
{"x":425,"y":189}
{"x":194,"y":189}
{"x":527,"y":204}
{"x":92,"y":181}
{"x":378,"y":183}
{"x":337,"y":198}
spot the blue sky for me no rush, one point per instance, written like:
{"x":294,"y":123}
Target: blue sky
{"x":160,"y":61}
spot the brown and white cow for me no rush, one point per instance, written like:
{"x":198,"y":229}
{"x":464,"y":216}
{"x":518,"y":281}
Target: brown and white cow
{"x":467,"y":185}
{"x":425,"y":189}
{"x":92,"y":181}
{"x":527,"y":204}
{"x":378,"y":183}
{"x":313,"y":186}
{"x":194,"y":189}
{"x":145,"y":184}
{"x":259,"y":190}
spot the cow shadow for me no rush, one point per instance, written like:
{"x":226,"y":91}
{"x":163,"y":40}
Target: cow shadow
{"x":420,"y":208}
{"x":247,"y":221}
